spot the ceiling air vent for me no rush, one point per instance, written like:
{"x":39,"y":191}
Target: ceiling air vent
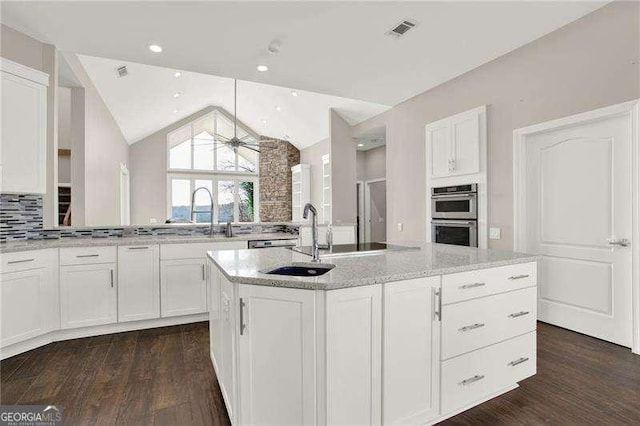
{"x":401,"y":29}
{"x":122,"y":71}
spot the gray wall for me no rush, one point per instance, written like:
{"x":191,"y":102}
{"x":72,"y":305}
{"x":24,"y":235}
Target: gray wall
{"x":371,"y":164}
{"x":313,"y":156}
{"x":343,"y":170}
{"x":588,"y":64}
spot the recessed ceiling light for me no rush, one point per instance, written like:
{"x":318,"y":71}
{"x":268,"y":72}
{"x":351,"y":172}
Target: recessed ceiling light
{"x":360,"y":144}
{"x":175,"y":111}
{"x":177,"y":94}
{"x":262,"y":68}
{"x":294,"y":93}
{"x":278,"y":108}
{"x":155,"y":48}
{"x":177,"y":74}
{"x":264,"y":121}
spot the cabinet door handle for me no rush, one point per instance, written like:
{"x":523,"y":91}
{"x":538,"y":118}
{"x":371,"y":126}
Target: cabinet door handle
{"x":437,"y":304}
{"x":518,"y":277}
{"x":471,"y":327}
{"x":518,"y":314}
{"x":111,"y":277}
{"x":474,"y":285}
{"x":242,"y":326}
{"x":138,"y":248}
{"x":204,"y":277}
{"x":471,"y":380}
{"x":11,"y":262}
{"x":518,"y":361}
{"x":88,"y":255}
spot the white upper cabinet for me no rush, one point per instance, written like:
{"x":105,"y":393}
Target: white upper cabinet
{"x":23,"y":146}
{"x":300,"y":190}
{"x":454,"y":143}
{"x":138,"y":283}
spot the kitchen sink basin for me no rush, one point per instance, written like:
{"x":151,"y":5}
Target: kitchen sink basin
{"x":301,"y":269}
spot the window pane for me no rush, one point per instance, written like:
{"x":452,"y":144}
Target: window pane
{"x":180,"y":199}
{"x":180,"y":156}
{"x":203,"y":201}
{"x":203,"y":151}
{"x":226,"y":157}
{"x":246,"y":199}
{"x":247,"y":160}
{"x":226,"y":201}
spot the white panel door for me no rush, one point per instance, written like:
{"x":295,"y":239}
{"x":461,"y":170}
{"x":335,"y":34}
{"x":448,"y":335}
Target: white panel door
{"x":439,"y":143}
{"x":23,"y":140}
{"x":138,"y":283}
{"x":183,"y":287}
{"x":579,"y":206}
{"x":24,"y":298}
{"x":411,"y":362}
{"x":88,"y":295}
{"x":354,"y":356}
{"x":277,"y":356}
{"x":465,"y":143}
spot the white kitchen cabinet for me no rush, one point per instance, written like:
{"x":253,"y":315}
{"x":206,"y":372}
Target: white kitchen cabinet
{"x":411,"y":351}
{"x":183,"y":288}
{"x":138,"y":283}
{"x":277,"y":354}
{"x":354,"y":358}
{"x":300,"y":190}
{"x":326,"y":190}
{"x":28,"y":296}
{"x":23,"y":146}
{"x":454,"y":143}
{"x":227,"y":361}
{"x":88,"y":295}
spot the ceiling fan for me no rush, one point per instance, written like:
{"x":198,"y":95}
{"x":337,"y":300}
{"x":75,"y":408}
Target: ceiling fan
{"x":247,"y":142}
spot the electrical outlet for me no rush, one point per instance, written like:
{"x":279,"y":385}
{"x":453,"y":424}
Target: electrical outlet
{"x":153,"y":220}
{"x":400,"y":227}
{"x":494,"y":233}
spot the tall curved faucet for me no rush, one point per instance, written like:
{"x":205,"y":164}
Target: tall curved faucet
{"x":194,"y":212}
{"x":314,"y":229}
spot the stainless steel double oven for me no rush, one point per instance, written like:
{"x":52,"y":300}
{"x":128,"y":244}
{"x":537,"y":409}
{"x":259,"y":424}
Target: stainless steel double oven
{"x":454,"y":215}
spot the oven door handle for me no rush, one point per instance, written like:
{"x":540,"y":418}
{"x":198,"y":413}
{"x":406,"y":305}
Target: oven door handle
{"x":461,"y":223}
{"x":457,"y":195}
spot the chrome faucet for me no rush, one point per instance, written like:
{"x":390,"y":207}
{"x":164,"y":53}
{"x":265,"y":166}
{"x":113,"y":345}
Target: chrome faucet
{"x":314,"y":229}
{"x":194,"y":212}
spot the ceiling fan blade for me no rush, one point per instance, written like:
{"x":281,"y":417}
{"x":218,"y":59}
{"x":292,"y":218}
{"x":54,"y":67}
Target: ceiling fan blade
{"x":221,"y":138}
{"x":244,"y":138}
{"x":251,"y":148}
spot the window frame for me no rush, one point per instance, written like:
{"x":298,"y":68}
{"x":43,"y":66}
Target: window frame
{"x":214,"y":175}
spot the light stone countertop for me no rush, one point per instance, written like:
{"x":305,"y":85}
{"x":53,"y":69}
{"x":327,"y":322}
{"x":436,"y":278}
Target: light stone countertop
{"x":245,"y":266}
{"x":25,"y":245}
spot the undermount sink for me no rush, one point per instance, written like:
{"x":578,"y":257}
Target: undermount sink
{"x":301,"y":269}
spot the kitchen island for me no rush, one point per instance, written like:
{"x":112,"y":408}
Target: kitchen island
{"x":400,"y":337}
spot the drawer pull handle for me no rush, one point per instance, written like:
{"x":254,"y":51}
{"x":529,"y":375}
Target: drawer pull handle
{"x":111,"y":271}
{"x":471,"y":327}
{"x":474,"y":285}
{"x":471,"y":380}
{"x":88,"y":255}
{"x":518,"y":277}
{"x":518,"y":314}
{"x":518,"y":361}
{"x":138,"y":248}
{"x":11,"y":262}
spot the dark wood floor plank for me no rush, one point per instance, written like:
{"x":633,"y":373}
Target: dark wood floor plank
{"x":164,"y":376}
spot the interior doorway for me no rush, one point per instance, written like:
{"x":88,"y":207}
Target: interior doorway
{"x":375,"y":210}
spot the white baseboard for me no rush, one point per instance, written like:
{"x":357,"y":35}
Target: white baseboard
{"x":98,"y":330}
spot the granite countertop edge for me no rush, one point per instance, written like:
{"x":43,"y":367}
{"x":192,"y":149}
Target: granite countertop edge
{"x":43,"y":244}
{"x":312,"y":284}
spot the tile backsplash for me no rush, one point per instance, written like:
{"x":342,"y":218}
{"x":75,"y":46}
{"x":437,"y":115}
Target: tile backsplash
{"x":21,"y":219}
{"x":20,"y":216}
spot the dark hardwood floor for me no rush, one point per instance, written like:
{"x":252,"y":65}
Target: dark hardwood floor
{"x":164,"y":376}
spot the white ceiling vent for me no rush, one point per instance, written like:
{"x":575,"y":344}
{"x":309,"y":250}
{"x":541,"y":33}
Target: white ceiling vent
{"x":122,"y":71}
{"x":401,"y":28}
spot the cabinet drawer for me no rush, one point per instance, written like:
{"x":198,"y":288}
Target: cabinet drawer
{"x":26,"y":260}
{"x":471,"y":377}
{"x":484,"y":282}
{"x":88,"y":255}
{"x":470,"y":325}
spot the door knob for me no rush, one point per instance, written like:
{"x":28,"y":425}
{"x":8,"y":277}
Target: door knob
{"x":621,"y":242}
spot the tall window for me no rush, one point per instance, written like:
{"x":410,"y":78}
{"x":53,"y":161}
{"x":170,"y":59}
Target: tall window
{"x":198,"y":158}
